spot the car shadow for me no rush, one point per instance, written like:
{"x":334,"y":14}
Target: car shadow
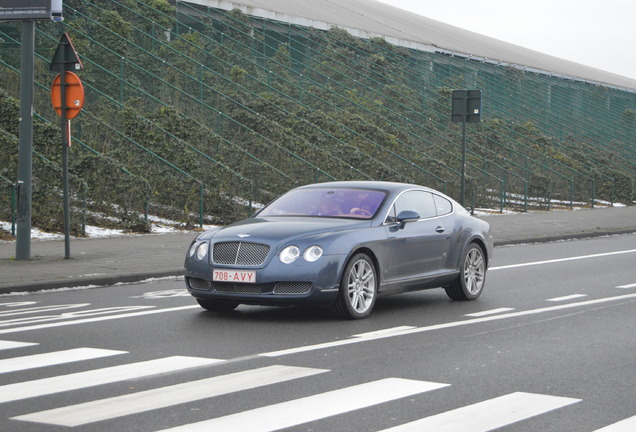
{"x":420,"y":301}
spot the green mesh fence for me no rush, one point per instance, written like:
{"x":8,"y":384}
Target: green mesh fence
{"x":218,"y":110}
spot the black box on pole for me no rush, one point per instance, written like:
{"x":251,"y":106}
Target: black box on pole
{"x":466,"y":106}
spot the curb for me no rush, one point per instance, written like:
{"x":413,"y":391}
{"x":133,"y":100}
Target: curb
{"x":563,"y":237}
{"x":97,"y":282}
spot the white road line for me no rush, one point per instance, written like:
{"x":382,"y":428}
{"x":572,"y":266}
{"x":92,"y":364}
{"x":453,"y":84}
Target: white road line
{"x":488,"y":415}
{"x":54,"y":358}
{"x":74,"y":315}
{"x":97,"y":319}
{"x":490,"y":312}
{"x":39,"y":309}
{"x":565,"y":298}
{"x":627,"y":286}
{"x":387,"y":332}
{"x":62,"y":383}
{"x":627,"y":425}
{"x":81,"y":414}
{"x":552,"y":261}
{"x":17,"y":304}
{"x":380,"y":335}
{"x":311,"y":408}
{"x":11,"y":344}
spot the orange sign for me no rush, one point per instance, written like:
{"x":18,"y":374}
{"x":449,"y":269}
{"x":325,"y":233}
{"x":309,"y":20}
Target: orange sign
{"x":74,"y":95}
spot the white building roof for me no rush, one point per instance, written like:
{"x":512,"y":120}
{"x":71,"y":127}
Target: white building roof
{"x":370,"y":18}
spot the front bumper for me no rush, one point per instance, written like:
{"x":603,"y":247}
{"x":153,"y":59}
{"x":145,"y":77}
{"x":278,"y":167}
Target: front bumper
{"x":300,"y":283}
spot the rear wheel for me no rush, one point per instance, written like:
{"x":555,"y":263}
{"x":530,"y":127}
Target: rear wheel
{"x":217,"y":305}
{"x":358,"y":288}
{"x":472,"y":276}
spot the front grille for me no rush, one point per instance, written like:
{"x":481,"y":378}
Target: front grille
{"x":292,"y":288}
{"x":280,"y":288}
{"x":236,"y":288}
{"x":239,"y":253}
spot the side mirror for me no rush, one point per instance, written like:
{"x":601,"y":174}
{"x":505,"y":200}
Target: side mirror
{"x":407,"y":216}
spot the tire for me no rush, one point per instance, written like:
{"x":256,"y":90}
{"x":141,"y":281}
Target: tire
{"x":358,"y":288}
{"x":472,"y":275}
{"x":217,"y":305}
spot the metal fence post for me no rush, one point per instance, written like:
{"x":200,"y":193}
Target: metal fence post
{"x":122,"y":80}
{"x":200,"y":206}
{"x":13,"y":208}
{"x":84,"y":207}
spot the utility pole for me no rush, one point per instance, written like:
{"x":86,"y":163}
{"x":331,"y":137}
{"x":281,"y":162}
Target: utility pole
{"x":28,"y":11}
{"x":67,"y":96}
{"x":466,"y":108}
{"x":25,"y":150}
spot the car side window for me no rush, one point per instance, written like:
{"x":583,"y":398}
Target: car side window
{"x":392,"y":216}
{"x":442,"y":205}
{"x":419,"y":201}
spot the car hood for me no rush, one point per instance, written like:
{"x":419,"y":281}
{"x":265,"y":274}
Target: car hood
{"x":275,"y":229}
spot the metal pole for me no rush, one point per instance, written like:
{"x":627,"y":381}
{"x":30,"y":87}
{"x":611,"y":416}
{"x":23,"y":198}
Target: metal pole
{"x":200,"y":206}
{"x":84,"y":207}
{"x":25,"y":153}
{"x":502,"y":195}
{"x":462,"y":193}
{"x":65,"y":146}
{"x":13,"y":208}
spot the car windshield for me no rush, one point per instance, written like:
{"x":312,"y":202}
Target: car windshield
{"x":327,"y":202}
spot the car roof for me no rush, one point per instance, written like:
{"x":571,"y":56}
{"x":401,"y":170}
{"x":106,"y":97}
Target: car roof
{"x":368,"y":184}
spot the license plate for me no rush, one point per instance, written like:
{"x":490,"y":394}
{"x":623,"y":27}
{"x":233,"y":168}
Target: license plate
{"x":239,"y":276}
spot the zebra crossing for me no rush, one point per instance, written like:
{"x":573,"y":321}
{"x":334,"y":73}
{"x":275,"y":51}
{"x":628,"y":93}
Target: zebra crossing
{"x":483,"y":416}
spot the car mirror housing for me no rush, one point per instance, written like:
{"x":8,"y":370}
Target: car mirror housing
{"x":407,"y":216}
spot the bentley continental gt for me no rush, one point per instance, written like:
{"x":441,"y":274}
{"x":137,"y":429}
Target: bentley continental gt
{"x":341,"y":245}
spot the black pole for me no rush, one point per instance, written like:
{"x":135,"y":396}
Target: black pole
{"x":462,"y":194}
{"x":25,"y":152}
{"x":65,"y":188}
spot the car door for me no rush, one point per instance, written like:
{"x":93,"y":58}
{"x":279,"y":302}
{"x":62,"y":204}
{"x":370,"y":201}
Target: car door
{"x":416,"y":248}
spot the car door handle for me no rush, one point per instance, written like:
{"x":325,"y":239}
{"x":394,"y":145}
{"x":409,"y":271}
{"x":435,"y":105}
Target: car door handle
{"x":440,"y":229}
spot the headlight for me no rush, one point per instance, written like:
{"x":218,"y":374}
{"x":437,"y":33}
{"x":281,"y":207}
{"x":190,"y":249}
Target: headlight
{"x":289,"y":254}
{"x":312,"y":253}
{"x":202,"y":250}
{"x":192,"y":249}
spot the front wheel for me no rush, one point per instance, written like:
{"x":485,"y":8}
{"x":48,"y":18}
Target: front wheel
{"x":358,"y":288}
{"x":472,"y":276}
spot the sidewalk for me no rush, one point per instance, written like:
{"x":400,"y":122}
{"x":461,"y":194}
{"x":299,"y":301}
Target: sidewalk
{"x":105,"y":261}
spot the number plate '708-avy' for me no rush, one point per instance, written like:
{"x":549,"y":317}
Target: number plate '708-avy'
{"x":238,"y":276}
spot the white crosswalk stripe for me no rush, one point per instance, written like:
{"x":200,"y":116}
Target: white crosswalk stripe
{"x":54,"y":358}
{"x":76,"y":415}
{"x":6,"y":345}
{"x":627,"y":425}
{"x":57,"y":384}
{"x":488,"y":415}
{"x":288,"y":414}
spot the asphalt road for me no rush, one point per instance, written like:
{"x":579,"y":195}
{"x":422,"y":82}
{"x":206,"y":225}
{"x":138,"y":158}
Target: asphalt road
{"x":548,"y":347}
